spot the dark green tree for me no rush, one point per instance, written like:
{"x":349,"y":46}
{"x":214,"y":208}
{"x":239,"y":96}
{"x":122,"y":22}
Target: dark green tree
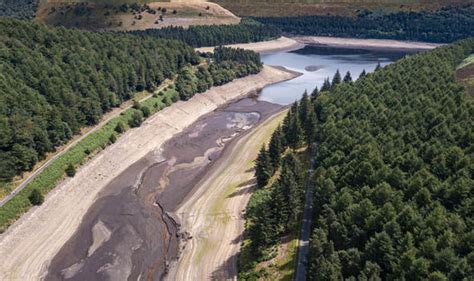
{"x":263,"y":168}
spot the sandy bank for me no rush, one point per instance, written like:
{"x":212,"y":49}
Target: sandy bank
{"x":213,"y":215}
{"x":28,"y":246}
{"x":365,"y":43}
{"x":280,"y":44}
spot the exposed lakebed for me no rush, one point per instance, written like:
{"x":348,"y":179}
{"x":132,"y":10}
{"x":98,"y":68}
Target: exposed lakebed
{"x":130,"y":232}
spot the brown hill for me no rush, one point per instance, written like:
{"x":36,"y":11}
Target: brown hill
{"x":122,"y":15}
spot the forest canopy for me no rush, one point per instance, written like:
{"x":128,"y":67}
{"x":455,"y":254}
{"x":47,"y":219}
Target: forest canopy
{"x":443,"y":26}
{"x":393,"y":174}
{"x":19,"y":9}
{"x":214,"y":35}
{"x":53,"y":81}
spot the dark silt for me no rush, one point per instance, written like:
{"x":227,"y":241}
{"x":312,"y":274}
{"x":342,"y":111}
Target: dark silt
{"x":129,"y":233}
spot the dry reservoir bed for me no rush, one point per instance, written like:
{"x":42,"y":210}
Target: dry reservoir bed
{"x":29,"y":245}
{"x":130,"y":231}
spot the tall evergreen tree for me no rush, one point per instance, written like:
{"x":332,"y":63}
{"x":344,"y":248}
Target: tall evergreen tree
{"x":336,"y":80}
{"x":314,"y":93}
{"x":275,"y":148}
{"x":263,"y":168}
{"x":326,"y":85}
{"x":348,"y":77}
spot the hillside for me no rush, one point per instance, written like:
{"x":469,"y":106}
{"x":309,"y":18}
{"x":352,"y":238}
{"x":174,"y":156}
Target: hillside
{"x":132,"y":15}
{"x":285,"y":8}
{"x":55,"y":81}
{"x":393,"y":180}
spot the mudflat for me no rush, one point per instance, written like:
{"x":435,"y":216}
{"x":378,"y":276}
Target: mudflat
{"x":339,"y":42}
{"x":30,"y":244}
{"x":136,"y":207}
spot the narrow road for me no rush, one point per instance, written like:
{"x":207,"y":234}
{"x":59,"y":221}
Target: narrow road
{"x":109,"y":116}
{"x":303,"y":247}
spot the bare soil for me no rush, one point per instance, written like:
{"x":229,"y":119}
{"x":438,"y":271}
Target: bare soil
{"x":277,"y":45}
{"x":364,"y":43}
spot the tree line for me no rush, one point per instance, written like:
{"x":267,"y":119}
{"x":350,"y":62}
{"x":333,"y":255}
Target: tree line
{"x":393,"y":172}
{"x":214,"y":35}
{"x":54,"y":81}
{"x":443,"y":26}
{"x":19,"y":9}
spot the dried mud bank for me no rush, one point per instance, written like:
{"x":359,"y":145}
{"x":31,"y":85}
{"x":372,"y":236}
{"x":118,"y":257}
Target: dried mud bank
{"x":278,"y":45}
{"x":28,"y":247}
{"x":139,"y":204}
{"x":338,"y":42}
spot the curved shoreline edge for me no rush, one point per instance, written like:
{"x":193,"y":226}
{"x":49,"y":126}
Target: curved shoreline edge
{"x":29,"y":244}
{"x":297,"y":42}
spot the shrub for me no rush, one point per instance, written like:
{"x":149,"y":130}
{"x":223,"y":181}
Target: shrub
{"x":120,"y":128}
{"x":70,"y":170}
{"x":36,"y":198}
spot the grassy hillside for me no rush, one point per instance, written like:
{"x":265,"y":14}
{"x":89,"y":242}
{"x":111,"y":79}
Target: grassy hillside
{"x":267,"y":8}
{"x":131,"y":15}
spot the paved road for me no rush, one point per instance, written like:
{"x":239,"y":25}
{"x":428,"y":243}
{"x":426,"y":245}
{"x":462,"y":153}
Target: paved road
{"x":59,"y":153}
{"x":303,"y":247}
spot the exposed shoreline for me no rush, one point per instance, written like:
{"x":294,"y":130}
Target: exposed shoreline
{"x":278,"y":45}
{"x":213,"y":213}
{"x":294,"y":43}
{"x":29,"y":245}
{"x":355,"y":43}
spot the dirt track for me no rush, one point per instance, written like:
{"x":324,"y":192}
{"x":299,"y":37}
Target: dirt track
{"x":213,"y":214}
{"x":28,"y":246}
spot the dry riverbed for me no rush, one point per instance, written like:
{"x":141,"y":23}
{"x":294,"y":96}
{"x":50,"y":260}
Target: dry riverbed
{"x":28,"y":247}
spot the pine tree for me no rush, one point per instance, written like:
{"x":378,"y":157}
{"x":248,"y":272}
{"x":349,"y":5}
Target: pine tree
{"x":310,"y":126}
{"x":275,"y":148}
{"x":348,"y":77}
{"x":303,"y":108}
{"x":295,"y":133}
{"x":336,"y":79}
{"x":363,"y":74}
{"x":263,"y":167}
{"x":326,"y":85}
{"x":314,"y":94}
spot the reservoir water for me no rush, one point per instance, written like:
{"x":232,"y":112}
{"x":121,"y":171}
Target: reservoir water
{"x":318,"y":63}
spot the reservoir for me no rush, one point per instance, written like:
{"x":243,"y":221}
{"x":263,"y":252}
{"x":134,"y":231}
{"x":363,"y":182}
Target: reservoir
{"x":318,"y":63}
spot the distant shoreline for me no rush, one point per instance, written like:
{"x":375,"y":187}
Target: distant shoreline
{"x":286,"y":44}
{"x":356,"y":43}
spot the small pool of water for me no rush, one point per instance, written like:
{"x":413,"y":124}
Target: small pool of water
{"x":318,"y":63}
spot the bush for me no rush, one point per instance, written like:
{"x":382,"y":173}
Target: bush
{"x":136,"y":119}
{"x":70,"y":170}
{"x":36,"y":198}
{"x":146,"y":111}
{"x":120,"y":128}
{"x":112,"y":138}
